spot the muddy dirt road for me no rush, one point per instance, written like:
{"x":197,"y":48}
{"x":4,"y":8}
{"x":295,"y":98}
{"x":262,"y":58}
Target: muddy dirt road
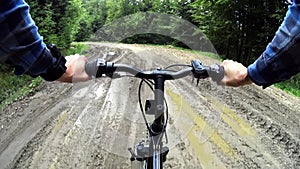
{"x":91,"y":124}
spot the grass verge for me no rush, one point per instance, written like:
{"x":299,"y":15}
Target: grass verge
{"x":23,"y":88}
{"x":291,"y":86}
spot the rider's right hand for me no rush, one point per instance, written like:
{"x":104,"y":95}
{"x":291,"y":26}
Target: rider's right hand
{"x":235,"y":74}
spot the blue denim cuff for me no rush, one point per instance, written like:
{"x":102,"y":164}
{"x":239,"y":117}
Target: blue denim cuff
{"x":256,"y":72}
{"x":42,"y":64}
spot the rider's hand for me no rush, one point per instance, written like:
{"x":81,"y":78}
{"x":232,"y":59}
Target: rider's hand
{"x":235,"y":74}
{"x":75,"y":69}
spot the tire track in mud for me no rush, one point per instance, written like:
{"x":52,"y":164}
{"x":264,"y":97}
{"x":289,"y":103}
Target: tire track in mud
{"x":65,"y":127}
{"x":108,"y":152}
{"x":26,"y":129}
{"x":277,"y":131}
{"x":230,"y":138}
{"x":58,"y":133}
{"x":125,"y":124}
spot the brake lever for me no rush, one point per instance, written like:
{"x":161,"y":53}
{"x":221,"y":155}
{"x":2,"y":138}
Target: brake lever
{"x":215,"y":71}
{"x":198,"y":80}
{"x":199,"y":70}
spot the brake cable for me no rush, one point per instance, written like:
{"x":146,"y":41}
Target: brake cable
{"x":142,"y":110}
{"x":140,"y":102}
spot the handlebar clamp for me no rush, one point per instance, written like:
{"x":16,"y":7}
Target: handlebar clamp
{"x":101,"y":64}
{"x":215,"y":71}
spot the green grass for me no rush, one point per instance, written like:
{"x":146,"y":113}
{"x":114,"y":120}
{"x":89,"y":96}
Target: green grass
{"x":75,"y":48}
{"x":24,"y":88}
{"x":291,"y":86}
{"x":13,"y":87}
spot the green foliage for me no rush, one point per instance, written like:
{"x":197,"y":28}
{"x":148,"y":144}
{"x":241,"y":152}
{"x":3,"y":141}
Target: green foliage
{"x":239,"y":29}
{"x":13,"y":87}
{"x":96,"y":13}
{"x":292,"y":86}
{"x":23,"y":88}
{"x":43,"y":16}
{"x":70,"y":22}
{"x":58,"y":20}
{"x":75,"y":48}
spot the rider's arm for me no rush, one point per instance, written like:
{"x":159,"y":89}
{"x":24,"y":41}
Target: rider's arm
{"x":20,"y":43}
{"x":281,"y":59}
{"x":23,"y":47}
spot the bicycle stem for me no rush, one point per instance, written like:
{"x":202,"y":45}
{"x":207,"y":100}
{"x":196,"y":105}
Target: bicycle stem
{"x":157,"y":125}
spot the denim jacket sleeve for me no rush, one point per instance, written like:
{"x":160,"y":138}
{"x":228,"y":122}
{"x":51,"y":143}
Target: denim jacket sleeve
{"x":20,"y":43}
{"x":281,"y":59}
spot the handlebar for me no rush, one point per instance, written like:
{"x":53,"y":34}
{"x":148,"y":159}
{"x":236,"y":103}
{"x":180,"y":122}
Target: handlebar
{"x":101,"y":67}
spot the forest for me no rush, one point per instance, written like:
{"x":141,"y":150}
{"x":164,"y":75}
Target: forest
{"x":238,"y":29}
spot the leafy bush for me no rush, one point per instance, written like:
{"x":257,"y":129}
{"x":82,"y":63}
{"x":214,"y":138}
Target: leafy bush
{"x":292,"y":86}
{"x":10,"y":84}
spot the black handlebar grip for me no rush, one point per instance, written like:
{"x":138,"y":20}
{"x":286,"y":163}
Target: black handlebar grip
{"x":91,"y":68}
{"x":100,"y":67}
{"x":216,"y":72}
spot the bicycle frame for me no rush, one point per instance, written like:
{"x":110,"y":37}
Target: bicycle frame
{"x":157,"y":126}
